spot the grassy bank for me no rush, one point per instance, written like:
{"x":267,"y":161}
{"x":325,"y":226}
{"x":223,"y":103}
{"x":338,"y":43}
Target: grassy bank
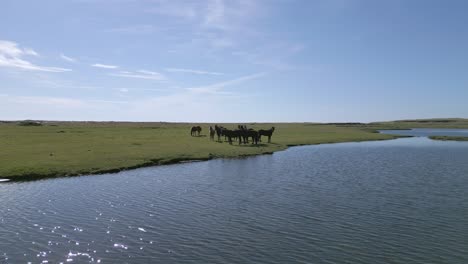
{"x":75,"y":148}
{"x":449,"y":138}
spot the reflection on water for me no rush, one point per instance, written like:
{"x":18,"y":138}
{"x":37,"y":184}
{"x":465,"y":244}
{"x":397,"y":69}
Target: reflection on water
{"x":399,"y":201}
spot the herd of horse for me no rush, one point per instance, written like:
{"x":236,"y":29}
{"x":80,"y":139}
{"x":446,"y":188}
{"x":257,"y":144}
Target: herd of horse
{"x":242,"y":133}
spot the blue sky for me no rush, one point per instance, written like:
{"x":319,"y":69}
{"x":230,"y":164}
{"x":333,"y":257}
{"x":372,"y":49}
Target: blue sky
{"x":233,"y":60}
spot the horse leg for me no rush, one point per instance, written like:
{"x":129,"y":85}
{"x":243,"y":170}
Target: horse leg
{"x":269,"y":139}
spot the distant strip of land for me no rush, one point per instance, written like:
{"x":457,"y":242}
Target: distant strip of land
{"x":32,"y":150}
{"x":449,"y":138}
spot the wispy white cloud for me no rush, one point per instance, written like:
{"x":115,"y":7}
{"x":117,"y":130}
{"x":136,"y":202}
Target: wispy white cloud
{"x":31,"y":52}
{"x":105,"y":66}
{"x":149,"y":72}
{"x":69,"y":59}
{"x":192,"y":71}
{"x":141,"y":74}
{"x":12,"y":56}
{"x":217,"y":88}
{"x":127,"y":90}
{"x":219,"y":23}
{"x":274,"y":55}
{"x":220,"y":14}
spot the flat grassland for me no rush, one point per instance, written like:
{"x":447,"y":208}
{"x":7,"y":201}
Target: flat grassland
{"x":56,"y":149}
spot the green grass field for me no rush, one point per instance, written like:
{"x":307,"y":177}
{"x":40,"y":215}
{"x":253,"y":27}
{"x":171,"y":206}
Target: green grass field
{"x":76,"y":148}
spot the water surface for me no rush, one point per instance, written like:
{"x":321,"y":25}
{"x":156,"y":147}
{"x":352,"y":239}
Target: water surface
{"x":397,"y":201}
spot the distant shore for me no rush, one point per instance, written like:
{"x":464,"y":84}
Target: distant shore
{"x":449,"y":138}
{"x":35,"y":150}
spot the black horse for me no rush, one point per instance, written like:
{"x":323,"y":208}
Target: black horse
{"x":212,"y":133}
{"x":219,"y":131}
{"x":248,"y":133}
{"x":267,"y":133}
{"x":233,"y":134}
{"x":195,"y":130}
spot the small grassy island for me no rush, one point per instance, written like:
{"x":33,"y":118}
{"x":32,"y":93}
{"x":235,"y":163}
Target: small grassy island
{"x":32,"y":150}
{"x":449,"y":138}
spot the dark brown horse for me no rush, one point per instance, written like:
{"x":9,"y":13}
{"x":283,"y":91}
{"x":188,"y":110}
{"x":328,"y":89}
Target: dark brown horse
{"x":195,"y":131}
{"x":219,"y":131}
{"x":245,"y":134}
{"x":250,"y":133}
{"x":212,"y":133}
{"x":267,"y":133}
{"x":232,"y":134}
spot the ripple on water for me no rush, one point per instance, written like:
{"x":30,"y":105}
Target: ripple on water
{"x":369,"y":202}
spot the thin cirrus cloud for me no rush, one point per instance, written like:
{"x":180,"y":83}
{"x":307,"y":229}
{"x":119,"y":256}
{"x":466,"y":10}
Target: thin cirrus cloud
{"x":67,"y":58}
{"x":104,"y":66}
{"x":193,"y":71}
{"x":141,"y":74}
{"x":219,"y":14}
{"x":218,"y":87}
{"x":218,"y":22}
{"x":13,"y":56}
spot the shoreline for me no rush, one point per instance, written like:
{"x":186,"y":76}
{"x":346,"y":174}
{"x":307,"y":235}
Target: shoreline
{"x":175,"y":161}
